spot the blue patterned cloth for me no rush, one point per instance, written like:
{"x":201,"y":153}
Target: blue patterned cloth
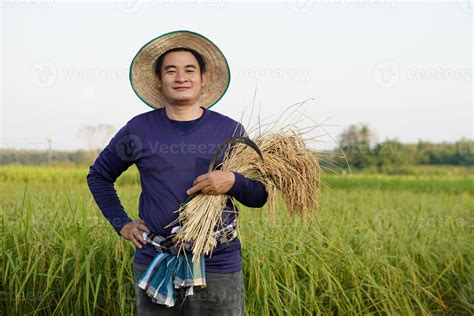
{"x":168,"y":272}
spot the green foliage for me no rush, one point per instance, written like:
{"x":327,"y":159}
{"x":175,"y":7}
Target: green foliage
{"x":361,"y":152}
{"x":357,"y":142}
{"x":398,"y":245}
{"x":41,"y":157}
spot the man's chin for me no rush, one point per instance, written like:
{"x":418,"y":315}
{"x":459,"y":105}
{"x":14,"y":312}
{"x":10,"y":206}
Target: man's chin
{"x":183,"y":100}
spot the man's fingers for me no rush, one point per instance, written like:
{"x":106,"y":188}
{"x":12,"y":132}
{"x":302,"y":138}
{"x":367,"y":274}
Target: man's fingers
{"x":200,"y":178}
{"x":134,"y":240}
{"x":138,"y":236}
{"x":197,"y":187}
{"x":142,"y":226}
{"x":133,"y":232}
{"x":137,"y":239}
{"x":208,"y":190}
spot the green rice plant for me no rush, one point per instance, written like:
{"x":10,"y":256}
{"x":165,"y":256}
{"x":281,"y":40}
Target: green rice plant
{"x":381,"y":245}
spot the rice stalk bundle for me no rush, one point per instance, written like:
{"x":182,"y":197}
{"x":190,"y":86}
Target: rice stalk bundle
{"x":288,"y":166}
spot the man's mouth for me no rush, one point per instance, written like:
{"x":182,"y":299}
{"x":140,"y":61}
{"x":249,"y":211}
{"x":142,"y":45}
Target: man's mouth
{"x":181,"y":88}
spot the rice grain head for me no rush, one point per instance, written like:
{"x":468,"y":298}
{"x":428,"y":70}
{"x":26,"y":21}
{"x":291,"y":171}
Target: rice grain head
{"x":288,"y":166}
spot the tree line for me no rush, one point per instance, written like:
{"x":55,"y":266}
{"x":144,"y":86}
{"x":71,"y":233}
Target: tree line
{"x":357,"y":147}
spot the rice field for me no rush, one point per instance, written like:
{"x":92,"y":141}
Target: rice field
{"x":398,"y":245}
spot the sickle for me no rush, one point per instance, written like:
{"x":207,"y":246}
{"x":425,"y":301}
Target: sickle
{"x":236,"y":139}
{"x":231,"y":140}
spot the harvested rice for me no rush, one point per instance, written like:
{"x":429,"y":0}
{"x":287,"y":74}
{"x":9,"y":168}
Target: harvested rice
{"x":288,"y":166}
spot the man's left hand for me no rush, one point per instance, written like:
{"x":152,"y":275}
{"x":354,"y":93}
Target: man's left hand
{"x":214,"y":182}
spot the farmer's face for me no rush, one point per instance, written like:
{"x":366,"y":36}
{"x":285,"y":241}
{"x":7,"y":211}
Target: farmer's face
{"x":181,"y":81}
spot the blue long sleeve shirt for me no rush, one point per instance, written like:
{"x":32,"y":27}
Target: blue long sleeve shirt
{"x":169,"y":155}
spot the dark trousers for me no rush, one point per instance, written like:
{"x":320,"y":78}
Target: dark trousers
{"x":224,"y":296}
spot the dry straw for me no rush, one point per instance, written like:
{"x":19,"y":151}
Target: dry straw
{"x":289,"y":167}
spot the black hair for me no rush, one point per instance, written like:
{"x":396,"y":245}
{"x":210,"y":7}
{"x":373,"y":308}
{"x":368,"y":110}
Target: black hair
{"x":199,"y":58}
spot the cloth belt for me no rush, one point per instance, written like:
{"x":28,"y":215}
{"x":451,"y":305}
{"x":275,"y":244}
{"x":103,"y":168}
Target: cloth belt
{"x":169,"y":271}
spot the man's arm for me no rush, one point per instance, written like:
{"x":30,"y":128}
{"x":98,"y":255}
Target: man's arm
{"x":249,"y":192}
{"x":117,"y":156}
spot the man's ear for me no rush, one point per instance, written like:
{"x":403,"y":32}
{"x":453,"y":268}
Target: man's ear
{"x":158,"y":82}
{"x":203,"y":79}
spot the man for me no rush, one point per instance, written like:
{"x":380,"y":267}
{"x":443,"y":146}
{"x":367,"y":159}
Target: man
{"x":180,"y":75}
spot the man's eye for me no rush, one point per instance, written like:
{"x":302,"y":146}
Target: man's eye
{"x":170,"y":72}
{"x":190,"y":71}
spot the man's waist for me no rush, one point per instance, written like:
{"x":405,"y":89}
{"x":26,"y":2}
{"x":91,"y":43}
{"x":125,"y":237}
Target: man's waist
{"x":158,"y":220}
{"x":223,"y":234}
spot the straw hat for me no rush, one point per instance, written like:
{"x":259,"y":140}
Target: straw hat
{"x":142,"y":69}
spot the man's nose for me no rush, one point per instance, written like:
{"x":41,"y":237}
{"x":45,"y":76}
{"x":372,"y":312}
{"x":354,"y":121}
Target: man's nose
{"x":180,"y":76}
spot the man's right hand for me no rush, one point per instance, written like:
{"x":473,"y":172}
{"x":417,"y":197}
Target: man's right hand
{"x":133,"y":231}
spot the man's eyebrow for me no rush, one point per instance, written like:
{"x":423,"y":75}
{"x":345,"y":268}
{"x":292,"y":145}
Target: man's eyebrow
{"x":187,"y":66}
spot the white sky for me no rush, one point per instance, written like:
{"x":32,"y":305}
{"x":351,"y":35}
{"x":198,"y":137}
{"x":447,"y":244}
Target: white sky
{"x":404,"y":68}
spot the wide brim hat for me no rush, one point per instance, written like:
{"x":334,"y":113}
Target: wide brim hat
{"x":142,"y":68}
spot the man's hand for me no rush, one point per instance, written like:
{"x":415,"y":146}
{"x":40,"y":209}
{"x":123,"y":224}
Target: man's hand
{"x":215,"y":182}
{"x":133,"y":231}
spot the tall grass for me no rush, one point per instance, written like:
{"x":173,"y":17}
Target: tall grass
{"x":381,"y":245}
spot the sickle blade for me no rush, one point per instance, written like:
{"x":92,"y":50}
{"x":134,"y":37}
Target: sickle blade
{"x":232,"y":140}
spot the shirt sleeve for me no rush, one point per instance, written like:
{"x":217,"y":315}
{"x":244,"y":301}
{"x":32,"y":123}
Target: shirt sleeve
{"x":250,"y":193}
{"x":116,"y":157}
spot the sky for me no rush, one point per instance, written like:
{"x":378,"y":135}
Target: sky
{"x":402,"y":67}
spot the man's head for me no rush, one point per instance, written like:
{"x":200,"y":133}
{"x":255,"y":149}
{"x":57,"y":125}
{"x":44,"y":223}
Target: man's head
{"x":153,"y":84}
{"x":181,"y":74}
